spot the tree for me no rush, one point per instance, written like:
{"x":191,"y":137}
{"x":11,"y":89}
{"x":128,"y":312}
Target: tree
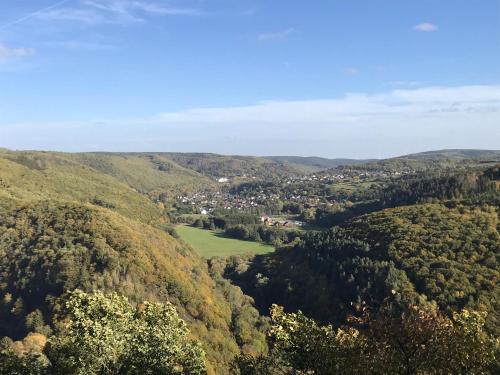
{"x":300,"y":346}
{"x":392,"y":341}
{"x":104,"y":334}
{"x":414,"y":340}
{"x":15,"y":363}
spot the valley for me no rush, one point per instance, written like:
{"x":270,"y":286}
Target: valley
{"x":419,"y":231}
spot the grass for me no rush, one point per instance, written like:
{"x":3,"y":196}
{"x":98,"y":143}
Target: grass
{"x":211,"y":243}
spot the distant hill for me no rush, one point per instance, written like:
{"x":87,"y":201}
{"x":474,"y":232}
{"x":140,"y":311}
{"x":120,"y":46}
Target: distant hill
{"x":214,"y":165}
{"x":420,"y":160}
{"x":457,"y":154}
{"x":314,"y":163}
{"x":423,"y":161}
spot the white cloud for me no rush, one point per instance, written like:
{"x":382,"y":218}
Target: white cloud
{"x":7,"y":53}
{"x":353,"y":108}
{"x":355,"y":125}
{"x":426,"y":27}
{"x":265,"y":37}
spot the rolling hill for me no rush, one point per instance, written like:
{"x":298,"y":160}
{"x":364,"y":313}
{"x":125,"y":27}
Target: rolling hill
{"x":431,"y":160}
{"x":457,"y":154}
{"x":214,"y":165}
{"x":35,"y":176}
{"x":315,"y":164}
{"x":145,"y":172}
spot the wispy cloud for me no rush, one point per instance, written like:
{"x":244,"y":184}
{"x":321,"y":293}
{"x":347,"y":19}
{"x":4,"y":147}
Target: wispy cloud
{"x":114,"y":11}
{"x":81,"y":45}
{"x":8,"y":53}
{"x":33,"y":14}
{"x":74,"y":15}
{"x":283,"y":34}
{"x":129,"y":7}
{"x":426,"y":27}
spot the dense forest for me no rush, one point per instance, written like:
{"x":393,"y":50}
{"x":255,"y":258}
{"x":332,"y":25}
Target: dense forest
{"x":426,"y":254}
{"x":392,"y":273}
{"x":48,"y":250}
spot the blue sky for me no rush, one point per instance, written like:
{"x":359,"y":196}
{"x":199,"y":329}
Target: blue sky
{"x":337,"y":78}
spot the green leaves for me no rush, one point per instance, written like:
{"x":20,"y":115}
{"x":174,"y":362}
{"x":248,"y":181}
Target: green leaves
{"x":393,"y":341}
{"x":104,"y":334}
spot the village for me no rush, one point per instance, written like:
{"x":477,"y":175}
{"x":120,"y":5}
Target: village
{"x":294,"y":189}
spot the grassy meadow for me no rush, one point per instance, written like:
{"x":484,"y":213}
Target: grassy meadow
{"x":211,"y":243}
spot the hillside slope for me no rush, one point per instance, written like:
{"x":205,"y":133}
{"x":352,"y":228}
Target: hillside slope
{"x":47,"y":249}
{"x":424,"y":254}
{"x":34,"y":176}
{"x":145,"y":172}
{"x":214,"y":165}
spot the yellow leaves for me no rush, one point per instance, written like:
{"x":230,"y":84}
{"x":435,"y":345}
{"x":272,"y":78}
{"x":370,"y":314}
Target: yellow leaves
{"x":33,"y":343}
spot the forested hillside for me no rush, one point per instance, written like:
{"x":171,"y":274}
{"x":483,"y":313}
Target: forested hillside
{"x":145,"y":172}
{"x":443,"y":254}
{"x":236,"y":166}
{"x":49,"y":249}
{"x":26,"y":177}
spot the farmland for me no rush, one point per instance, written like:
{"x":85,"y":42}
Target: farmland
{"x":211,"y":243}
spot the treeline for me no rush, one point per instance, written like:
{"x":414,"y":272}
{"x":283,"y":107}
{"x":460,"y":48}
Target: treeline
{"x":225,"y":221}
{"x":261,"y":233}
{"x":448,"y":187}
{"x":245,"y":226}
{"x":233,"y":166}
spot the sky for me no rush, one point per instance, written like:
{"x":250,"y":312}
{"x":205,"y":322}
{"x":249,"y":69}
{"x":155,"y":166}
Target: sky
{"x":331,"y":78}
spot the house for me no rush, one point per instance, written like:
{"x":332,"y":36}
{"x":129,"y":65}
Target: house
{"x":222,"y":179}
{"x":266,"y":220}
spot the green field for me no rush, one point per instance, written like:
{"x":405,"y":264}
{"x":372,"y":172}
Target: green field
{"x":210,"y":243}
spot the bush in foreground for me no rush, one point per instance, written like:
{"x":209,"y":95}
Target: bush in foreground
{"x":104,"y":334}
